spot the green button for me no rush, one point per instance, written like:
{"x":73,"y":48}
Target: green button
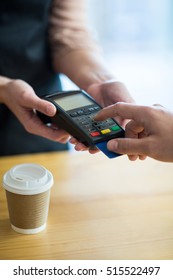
{"x":115,"y":128}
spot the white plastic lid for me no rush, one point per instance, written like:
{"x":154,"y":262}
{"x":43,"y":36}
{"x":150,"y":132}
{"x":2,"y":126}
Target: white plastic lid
{"x":27,"y":179}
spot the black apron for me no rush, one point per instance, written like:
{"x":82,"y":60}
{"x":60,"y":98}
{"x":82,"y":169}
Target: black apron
{"x":25,"y":54}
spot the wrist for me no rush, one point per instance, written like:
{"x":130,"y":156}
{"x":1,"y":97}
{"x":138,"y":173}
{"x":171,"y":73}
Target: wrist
{"x":101,"y":82}
{"x":90,"y":66}
{"x":93,"y":74}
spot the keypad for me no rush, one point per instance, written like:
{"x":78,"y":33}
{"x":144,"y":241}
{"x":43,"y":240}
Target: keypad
{"x":85,"y":118}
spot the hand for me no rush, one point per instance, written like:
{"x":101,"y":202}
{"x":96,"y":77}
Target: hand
{"x":110,"y":92}
{"x":106,"y":93}
{"x":21,"y":99}
{"x":149,"y":133}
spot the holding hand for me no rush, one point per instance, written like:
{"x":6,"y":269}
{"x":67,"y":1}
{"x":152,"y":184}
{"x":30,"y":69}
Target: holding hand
{"x":148,"y":133}
{"x":21,"y":99}
{"x":110,"y":92}
{"x":106,"y":93}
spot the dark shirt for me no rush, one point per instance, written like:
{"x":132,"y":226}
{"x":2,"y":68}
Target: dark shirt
{"x":25,"y":54}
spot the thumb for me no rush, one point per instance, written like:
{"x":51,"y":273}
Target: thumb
{"x":128,"y":146}
{"x":41,"y":105}
{"x":46,"y":107}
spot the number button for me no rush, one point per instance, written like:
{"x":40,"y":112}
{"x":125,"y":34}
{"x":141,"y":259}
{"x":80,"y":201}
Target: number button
{"x":73,"y":114}
{"x":80,"y":112}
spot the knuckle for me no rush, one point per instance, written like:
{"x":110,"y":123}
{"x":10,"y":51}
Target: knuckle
{"x":153,"y":112}
{"x":123,"y":146}
{"x":149,"y":147}
{"x":127,"y":146}
{"x":118,"y":106}
{"x":24,"y":96}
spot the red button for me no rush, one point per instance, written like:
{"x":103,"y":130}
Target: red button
{"x":95,"y":133}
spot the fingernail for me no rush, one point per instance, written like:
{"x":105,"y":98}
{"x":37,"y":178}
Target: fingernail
{"x":50,"y":110}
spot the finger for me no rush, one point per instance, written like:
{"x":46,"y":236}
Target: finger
{"x":56,"y":135}
{"x":133,"y":157}
{"x":41,"y":105}
{"x":93,"y":150}
{"x":121,"y":121}
{"x":53,"y":134}
{"x":142,"y":157}
{"x":133,"y":129}
{"x":32,"y":101}
{"x":80,"y":147}
{"x":124,"y":110}
{"x":45,"y":107}
{"x":73,"y":141}
{"x":128,"y":146}
{"x":35,"y":126}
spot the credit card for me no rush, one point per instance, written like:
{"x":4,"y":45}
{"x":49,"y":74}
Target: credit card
{"x":102,"y":146}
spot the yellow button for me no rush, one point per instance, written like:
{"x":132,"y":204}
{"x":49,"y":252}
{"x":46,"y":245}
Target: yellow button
{"x":105,"y":131}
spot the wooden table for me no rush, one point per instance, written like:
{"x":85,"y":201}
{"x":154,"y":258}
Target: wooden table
{"x":99,"y":209}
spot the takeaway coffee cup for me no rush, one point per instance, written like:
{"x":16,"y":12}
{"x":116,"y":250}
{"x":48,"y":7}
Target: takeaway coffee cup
{"x":28,"y":193}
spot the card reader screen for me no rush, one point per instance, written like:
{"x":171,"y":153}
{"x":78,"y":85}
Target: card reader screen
{"x":73,"y":101}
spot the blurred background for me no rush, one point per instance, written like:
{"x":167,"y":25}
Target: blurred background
{"x":137,"y":41}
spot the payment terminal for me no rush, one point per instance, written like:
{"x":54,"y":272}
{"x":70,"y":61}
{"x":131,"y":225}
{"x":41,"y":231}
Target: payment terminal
{"x":75,"y":112}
